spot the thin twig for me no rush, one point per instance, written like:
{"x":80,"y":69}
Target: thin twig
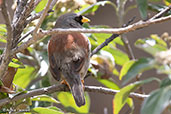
{"x":57,"y":88}
{"x":25,"y":36}
{"x":129,"y":28}
{"x":37,"y":15}
{"x":20,"y":23}
{"x":111,"y":38}
{"x":128,"y":47}
{"x":6,"y":55}
{"x":161,"y":13}
{"x":42,"y":18}
{"x":105,"y":43}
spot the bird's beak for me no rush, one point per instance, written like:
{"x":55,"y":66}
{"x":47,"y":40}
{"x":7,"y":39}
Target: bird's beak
{"x":85,"y":20}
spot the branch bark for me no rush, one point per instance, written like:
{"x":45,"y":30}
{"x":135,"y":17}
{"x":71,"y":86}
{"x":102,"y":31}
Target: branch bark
{"x":133,"y":27}
{"x":57,"y":88}
{"x":6,"y":55}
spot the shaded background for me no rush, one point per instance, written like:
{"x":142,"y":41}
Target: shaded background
{"x":106,"y":16}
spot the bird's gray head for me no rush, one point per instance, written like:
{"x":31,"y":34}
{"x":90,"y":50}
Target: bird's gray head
{"x":71,"y":20}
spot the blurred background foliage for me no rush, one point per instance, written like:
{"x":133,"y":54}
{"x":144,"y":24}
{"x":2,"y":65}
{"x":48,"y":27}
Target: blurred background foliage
{"x":30,"y":67}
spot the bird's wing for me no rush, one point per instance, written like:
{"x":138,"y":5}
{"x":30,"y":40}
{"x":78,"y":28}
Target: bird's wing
{"x":54,"y":69}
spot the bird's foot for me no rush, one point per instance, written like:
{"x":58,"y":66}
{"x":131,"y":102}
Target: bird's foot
{"x":64,"y":82}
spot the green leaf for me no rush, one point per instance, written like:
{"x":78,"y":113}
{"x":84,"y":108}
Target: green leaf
{"x":91,"y":8}
{"x":157,"y":102}
{"x":16,"y":63}
{"x":24,"y":76}
{"x":118,"y":41}
{"x":121,"y":97}
{"x":67,"y":100}
{"x":137,"y":67}
{"x":101,"y":37}
{"x":55,"y":108}
{"x":3,"y":33}
{"x":2,"y":40}
{"x":109,"y":83}
{"x":151,"y":45}
{"x":142,"y":6}
{"x":41,"y":6}
{"x":44,"y":98}
{"x":158,"y":40}
{"x":119,"y":56}
{"x":130,"y":102}
{"x":42,"y":110}
{"x":125,"y":68}
{"x":167,"y":2}
{"x":166,"y":82}
{"x":116,"y":72}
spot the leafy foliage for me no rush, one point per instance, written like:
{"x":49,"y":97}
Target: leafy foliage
{"x":121,"y":97}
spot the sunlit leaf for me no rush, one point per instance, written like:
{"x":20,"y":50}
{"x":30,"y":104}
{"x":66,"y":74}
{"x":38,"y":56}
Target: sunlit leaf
{"x":55,"y":108}
{"x":130,"y":102}
{"x":151,"y":45}
{"x":101,"y":37}
{"x":3,"y":32}
{"x":119,"y":56}
{"x":125,"y":68}
{"x":67,"y":101}
{"x":158,"y":40}
{"x":2,"y":40}
{"x":24,"y":76}
{"x":15,"y":63}
{"x":167,"y":2}
{"x":157,"y":102}
{"x":109,"y":83}
{"x":118,"y":41}
{"x":137,"y":67}
{"x":116,"y":72}
{"x":43,"y":110}
{"x":44,"y":98}
{"x":41,"y":5}
{"x":142,"y":6}
{"x":121,"y":97}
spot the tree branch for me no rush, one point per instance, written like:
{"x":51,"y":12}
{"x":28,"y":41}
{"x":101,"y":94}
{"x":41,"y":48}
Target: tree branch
{"x":133,"y":27}
{"x":161,"y":13}
{"x":6,"y":55}
{"x":22,"y":12}
{"x":37,"y":15}
{"x":57,"y":88}
{"x":41,"y":18}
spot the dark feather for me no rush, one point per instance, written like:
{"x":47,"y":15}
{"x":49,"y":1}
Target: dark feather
{"x":54,"y":69}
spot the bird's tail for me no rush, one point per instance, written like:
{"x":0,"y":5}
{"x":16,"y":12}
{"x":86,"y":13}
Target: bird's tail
{"x":78,"y":93}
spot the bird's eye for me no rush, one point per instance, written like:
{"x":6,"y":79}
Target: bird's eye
{"x":77,"y":64}
{"x":78,"y":19}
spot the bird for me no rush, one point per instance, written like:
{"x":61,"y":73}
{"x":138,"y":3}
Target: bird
{"x":69,"y":55}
